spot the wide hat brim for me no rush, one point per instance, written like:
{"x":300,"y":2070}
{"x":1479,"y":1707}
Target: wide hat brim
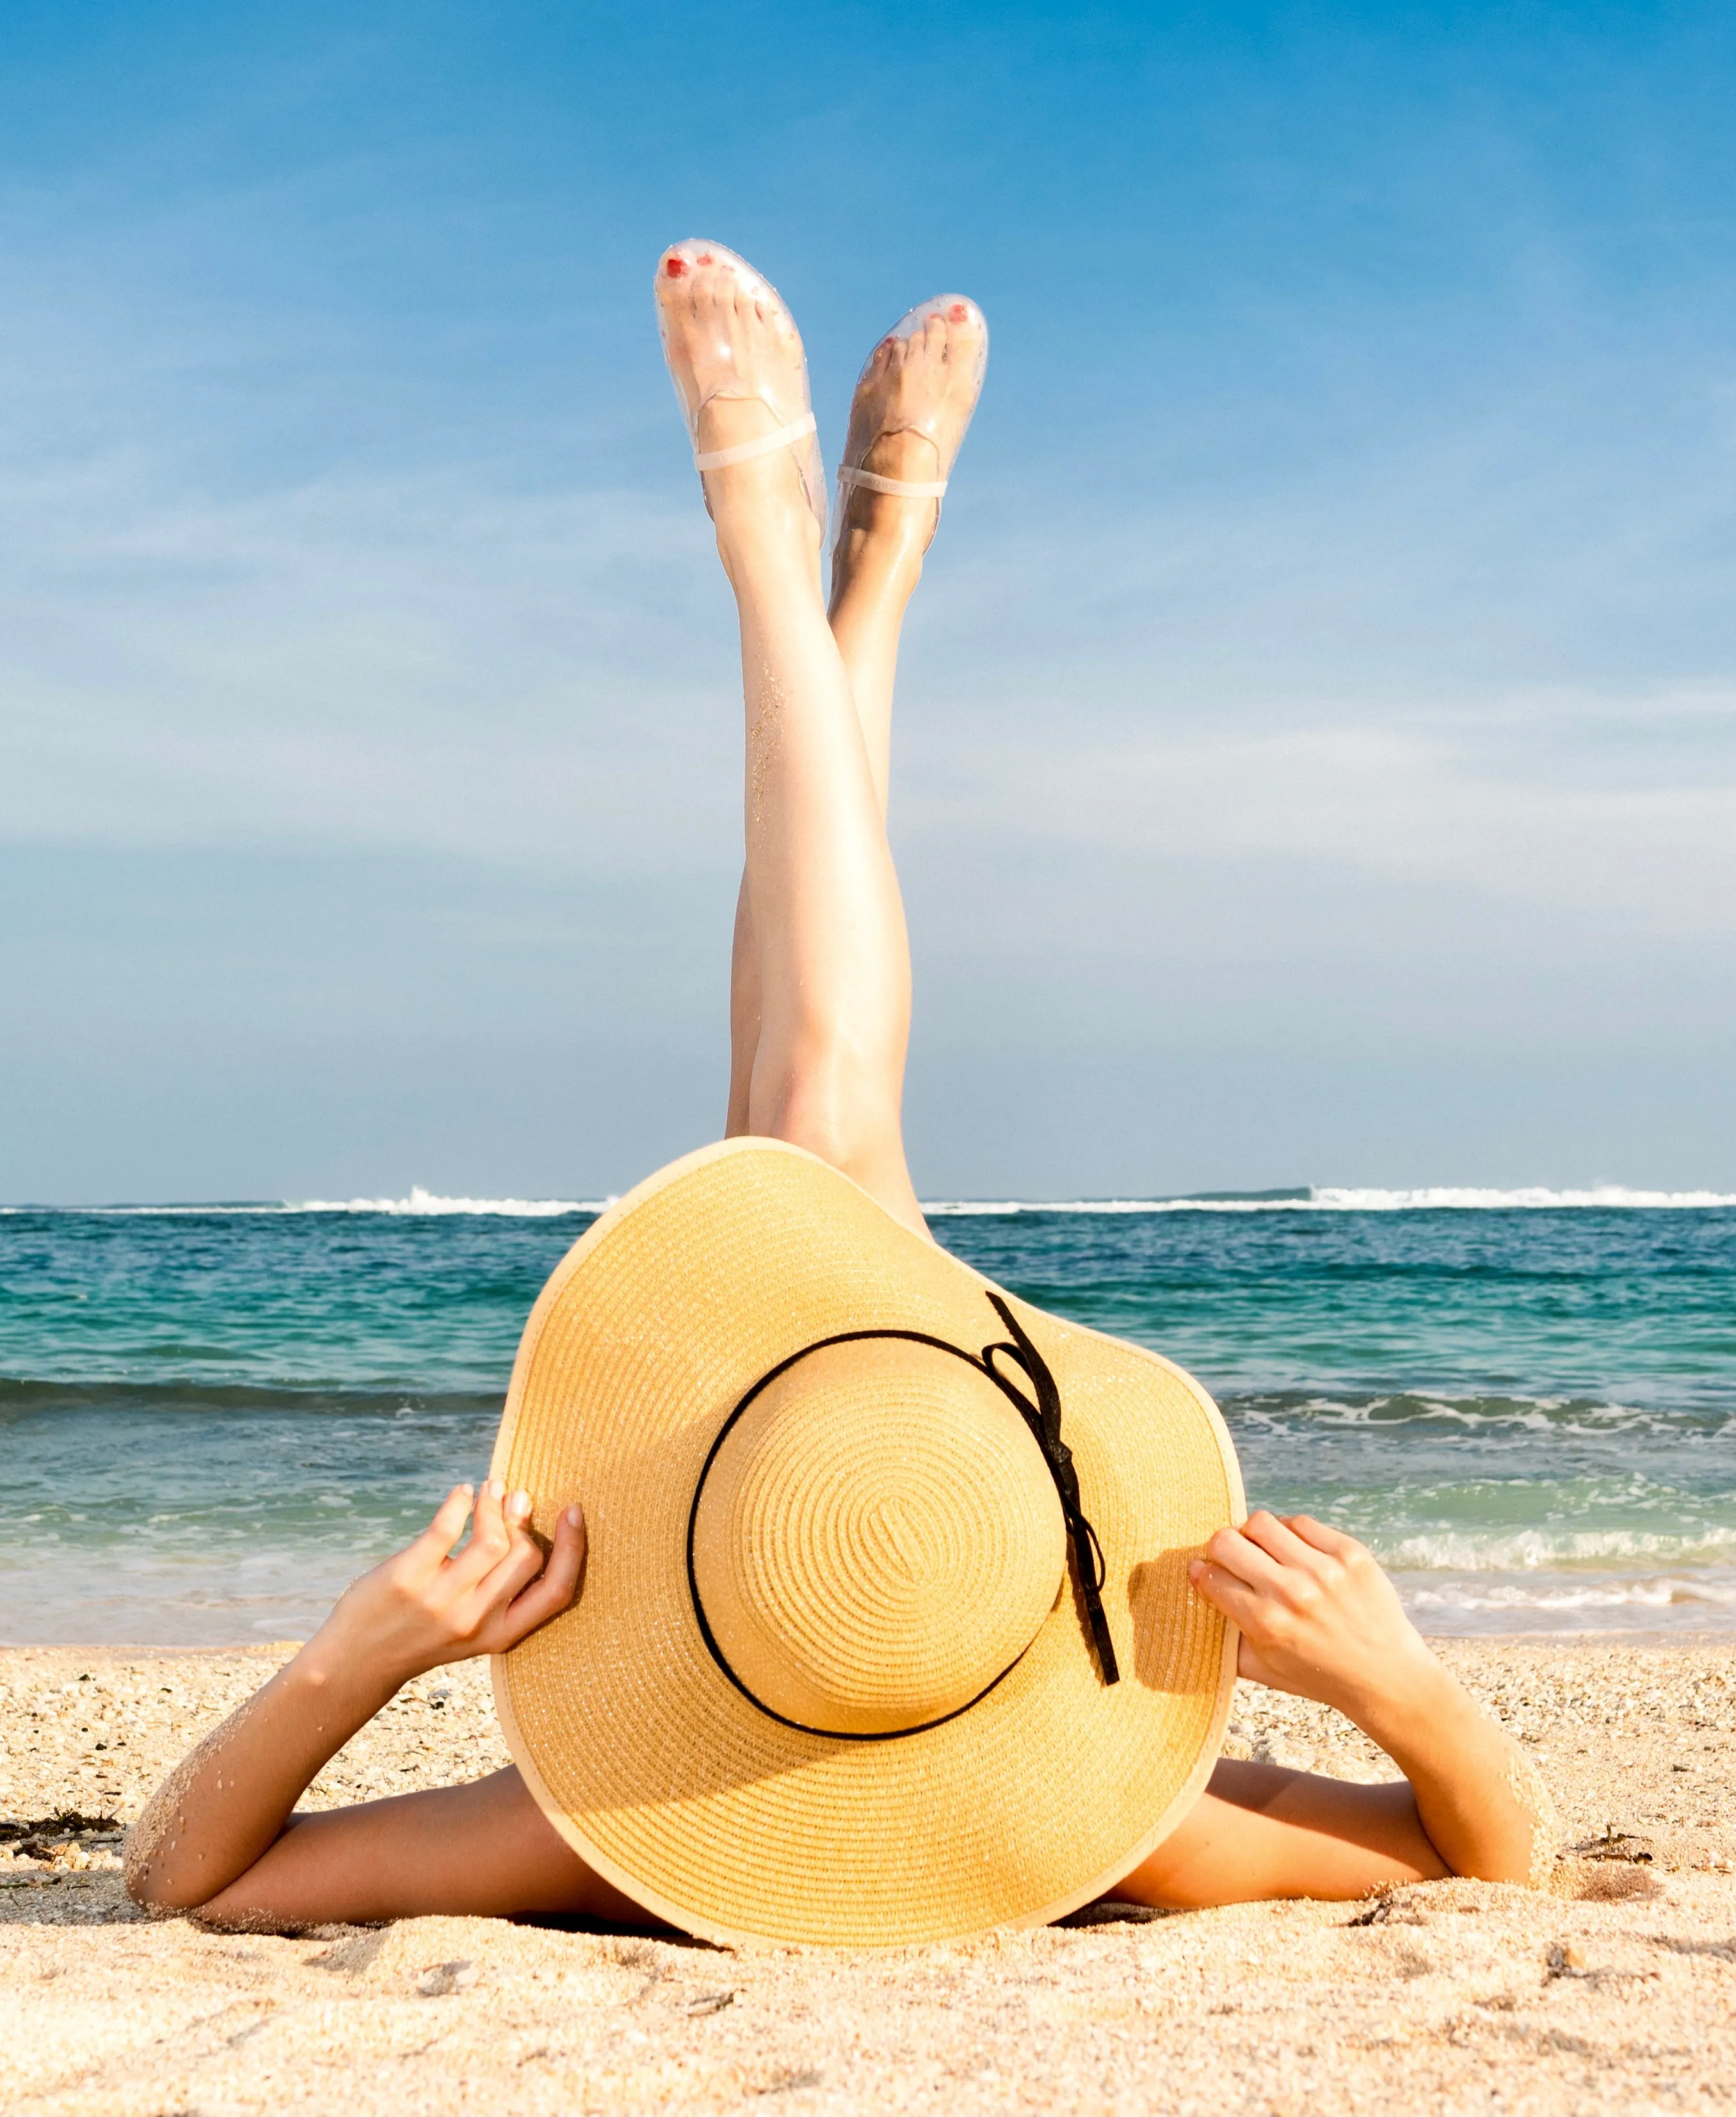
{"x":657,"y":1769}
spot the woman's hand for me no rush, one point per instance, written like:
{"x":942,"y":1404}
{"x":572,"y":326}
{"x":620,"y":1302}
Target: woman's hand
{"x":429,"y":1605}
{"x":226,"y":1804}
{"x":1319,"y":1618}
{"x":1317,"y":1615}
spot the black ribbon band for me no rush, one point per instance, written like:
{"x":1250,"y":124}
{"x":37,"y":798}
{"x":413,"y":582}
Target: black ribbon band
{"x":1043,"y":1419}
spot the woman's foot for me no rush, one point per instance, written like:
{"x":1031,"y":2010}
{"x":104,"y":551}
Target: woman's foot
{"x":914,"y":401}
{"x":735,"y":356}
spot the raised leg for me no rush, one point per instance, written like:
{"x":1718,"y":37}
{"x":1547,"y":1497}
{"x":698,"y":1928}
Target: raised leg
{"x":874,"y":574}
{"x":820,"y":895}
{"x":928,"y":380}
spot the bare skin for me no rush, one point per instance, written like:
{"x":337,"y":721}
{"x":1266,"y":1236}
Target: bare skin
{"x":1319,"y":1619}
{"x":820,"y":1019}
{"x":219,"y":1836}
{"x":907,"y":417}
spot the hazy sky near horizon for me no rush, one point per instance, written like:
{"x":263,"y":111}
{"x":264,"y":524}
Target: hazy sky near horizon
{"x":1317,"y":746}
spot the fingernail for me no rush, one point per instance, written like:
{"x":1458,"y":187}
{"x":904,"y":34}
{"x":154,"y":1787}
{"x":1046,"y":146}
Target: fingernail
{"x":496,"y":1489}
{"x":518,"y":1505}
{"x":575,"y":1516}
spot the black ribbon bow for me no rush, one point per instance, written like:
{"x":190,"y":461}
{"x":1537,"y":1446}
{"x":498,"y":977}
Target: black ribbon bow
{"x":1043,"y":1418}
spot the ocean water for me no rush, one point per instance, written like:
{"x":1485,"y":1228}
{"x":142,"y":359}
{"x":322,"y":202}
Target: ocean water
{"x":213,"y":1416}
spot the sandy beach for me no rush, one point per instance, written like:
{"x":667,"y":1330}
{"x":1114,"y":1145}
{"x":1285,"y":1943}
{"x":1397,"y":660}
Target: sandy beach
{"x":1612,"y":1991}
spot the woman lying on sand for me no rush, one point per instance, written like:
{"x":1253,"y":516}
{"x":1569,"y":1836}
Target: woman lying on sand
{"x":819,"y":1018}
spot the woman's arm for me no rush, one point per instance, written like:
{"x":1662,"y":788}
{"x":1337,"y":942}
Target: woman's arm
{"x":226,"y":1805}
{"x":1319,"y":1619}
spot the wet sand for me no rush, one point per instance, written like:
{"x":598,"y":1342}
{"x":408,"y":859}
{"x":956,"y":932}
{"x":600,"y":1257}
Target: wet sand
{"x":1614,"y":1991}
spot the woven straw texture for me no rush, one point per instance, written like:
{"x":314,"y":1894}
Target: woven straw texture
{"x":870,"y":1589}
{"x":669,"y":1781}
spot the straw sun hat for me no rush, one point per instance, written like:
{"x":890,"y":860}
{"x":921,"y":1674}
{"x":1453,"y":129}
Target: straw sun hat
{"x":885,"y":1633}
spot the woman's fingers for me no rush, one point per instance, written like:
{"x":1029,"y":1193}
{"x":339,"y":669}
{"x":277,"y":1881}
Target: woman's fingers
{"x":521,"y":1565}
{"x":529,"y":1556}
{"x":489,"y":1541}
{"x":558,"y":1567}
{"x":558,"y":1586}
{"x":1334,"y":1541}
{"x":1235,"y":1551}
{"x":566,"y":1565}
{"x":529,"y":1595}
{"x":425,"y":1555}
{"x":1222,"y":1588}
{"x":1278,"y":1579}
{"x":1280,"y":1540}
{"x":1316,"y":1612}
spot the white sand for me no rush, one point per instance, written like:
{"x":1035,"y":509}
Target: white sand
{"x":1612,"y":1992}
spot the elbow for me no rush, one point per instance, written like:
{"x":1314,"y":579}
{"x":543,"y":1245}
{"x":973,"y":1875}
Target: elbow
{"x":1521,"y":1857}
{"x":1529,"y":1863}
{"x":138,"y":1874}
{"x":145,"y":1887}
{"x":148,"y":1888}
{"x":1517,"y":1872}
{"x":151,"y":1880}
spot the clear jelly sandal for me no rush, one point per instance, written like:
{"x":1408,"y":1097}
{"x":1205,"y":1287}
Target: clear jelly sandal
{"x":925,"y":378}
{"x":736,"y":340}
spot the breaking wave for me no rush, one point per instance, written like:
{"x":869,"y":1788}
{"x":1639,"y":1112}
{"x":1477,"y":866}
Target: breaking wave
{"x":1532,"y":1550}
{"x":1513,"y":1599}
{"x":1334,"y":1198}
{"x":1315,"y":1199}
{"x":421,"y":1201}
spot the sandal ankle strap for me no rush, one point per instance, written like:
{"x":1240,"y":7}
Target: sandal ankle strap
{"x":900,"y":488}
{"x":746,"y":451}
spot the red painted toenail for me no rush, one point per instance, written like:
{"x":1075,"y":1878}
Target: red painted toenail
{"x":675,"y":266}
{"x":706,"y":257}
{"x":958,"y":312}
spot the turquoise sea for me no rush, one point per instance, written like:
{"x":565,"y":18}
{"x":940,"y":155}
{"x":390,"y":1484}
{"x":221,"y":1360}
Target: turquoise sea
{"x":213,"y":1416}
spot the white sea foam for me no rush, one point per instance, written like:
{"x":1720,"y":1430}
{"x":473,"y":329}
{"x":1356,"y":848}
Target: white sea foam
{"x":1489,"y":1418}
{"x":1661,"y":1592}
{"x":1530,"y":1550}
{"x":430,"y":1202}
{"x":965,"y":1209}
{"x":1319,"y":1198}
{"x":1532,"y":1197}
{"x":418,"y":1203}
{"x":1335,"y":1198}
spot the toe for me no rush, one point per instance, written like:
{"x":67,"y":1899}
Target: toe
{"x":677,"y":274}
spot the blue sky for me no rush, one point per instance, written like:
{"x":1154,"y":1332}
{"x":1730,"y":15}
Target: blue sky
{"x":1317,"y":751}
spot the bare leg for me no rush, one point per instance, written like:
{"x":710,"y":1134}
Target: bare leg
{"x":820,"y":894}
{"x":876,"y":567}
{"x":873,"y":581}
{"x":744,"y":1011}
